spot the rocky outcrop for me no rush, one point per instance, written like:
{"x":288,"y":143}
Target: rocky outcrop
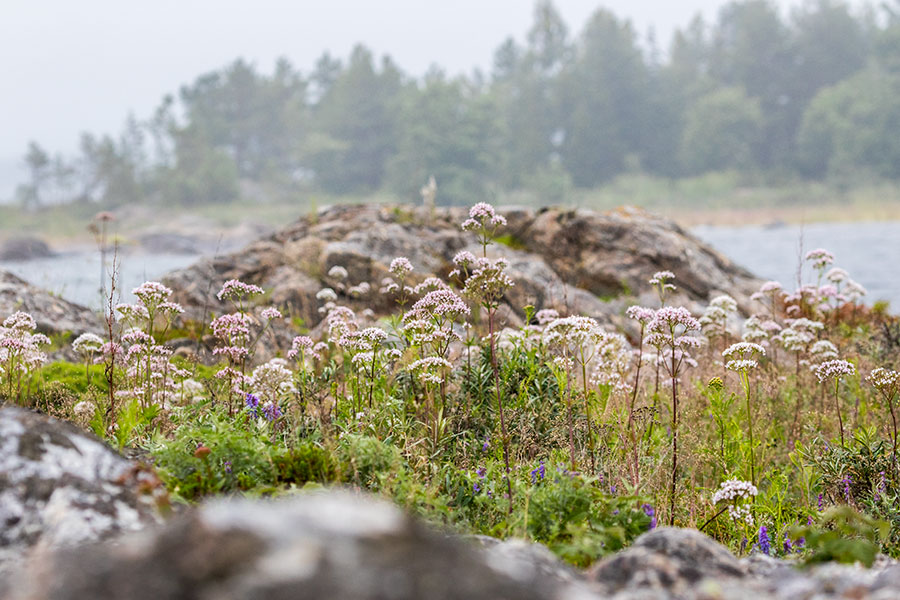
{"x":577,"y":261}
{"x":319,"y":545}
{"x":60,"y":487}
{"x":53,"y":314}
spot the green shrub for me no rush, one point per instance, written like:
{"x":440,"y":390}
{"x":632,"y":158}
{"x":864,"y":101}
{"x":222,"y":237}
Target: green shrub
{"x":238,"y":457}
{"x":303,"y":463}
{"x":367,"y":460}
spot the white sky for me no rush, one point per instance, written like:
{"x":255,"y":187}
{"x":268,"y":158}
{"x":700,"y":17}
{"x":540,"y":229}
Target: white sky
{"x":81,"y":65}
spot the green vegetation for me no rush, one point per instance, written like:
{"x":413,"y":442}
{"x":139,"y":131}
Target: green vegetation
{"x":780,"y":437}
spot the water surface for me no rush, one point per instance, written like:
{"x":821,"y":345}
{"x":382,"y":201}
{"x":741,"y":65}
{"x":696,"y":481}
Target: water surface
{"x":869,"y":252}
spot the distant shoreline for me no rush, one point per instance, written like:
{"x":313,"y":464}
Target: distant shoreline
{"x":66,"y":226}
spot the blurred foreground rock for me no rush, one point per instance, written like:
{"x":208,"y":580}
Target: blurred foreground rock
{"x":53,"y":314}
{"x":319,"y":545}
{"x":576,"y":261}
{"x":337,"y":544}
{"x":61,"y":487}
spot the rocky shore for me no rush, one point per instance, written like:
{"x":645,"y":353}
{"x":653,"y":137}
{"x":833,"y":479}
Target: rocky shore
{"x":575,"y":261}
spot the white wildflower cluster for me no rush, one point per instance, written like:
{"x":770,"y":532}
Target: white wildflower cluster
{"x":572,"y":333}
{"x":340,"y":322}
{"x":842,"y":289}
{"x":612,"y":361}
{"x":360,"y":290}
{"x":149,"y":374}
{"x":734,"y":489}
{"x":488,"y":281}
{"x":546,"y":315}
{"x":270,"y":313}
{"x":669,"y":332}
{"x":429,"y":326}
{"x":87,"y":344}
{"x":338,"y":272}
{"x":742,"y":356}
{"x":820,"y":258}
{"x":799,"y":334}
{"x":768,"y":291}
{"x":442,"y":304}
{"x":671,"y":326}
{"x":885,"y":380}
{"x":302,"y":347}
{"x":431,"y":369}
{"x":326,"y":294}
{"x":737,"y":494}
{"x":155,"y":296}
{"x":802,"y":300}
{"x":364,"y":340}
{"x":20,"y":346}
{"x":715,"y":318}
{"x":832,"y":289}
{"x":152,"y":302}
{"x":238,"y":291}
{"x":853,"y":291}
{"x":661,"y":283}
{"x":233,"y":334}
{"x":395,"y":285}
{"x":400,"y":267}
{"x":464,"y":261}
{"x":641,"y":314}
{"x":84,"y":409}
{"x":482,"y":216}
{"x":834,"y":369}
{"x":759,"y":330}
{"x":270,"y":381}
{"x":821,"y":351}
{"x":662,"y":278}
{"x":430,"y":284}
{"x":606,"y":356}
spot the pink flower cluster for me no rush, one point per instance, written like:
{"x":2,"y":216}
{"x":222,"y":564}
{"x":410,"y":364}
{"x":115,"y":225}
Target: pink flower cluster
{"x":481,"y":216}
{"x":238,"y":290}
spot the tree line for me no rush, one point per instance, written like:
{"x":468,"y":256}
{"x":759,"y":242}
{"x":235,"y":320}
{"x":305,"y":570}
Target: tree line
{"x":811,"y":94}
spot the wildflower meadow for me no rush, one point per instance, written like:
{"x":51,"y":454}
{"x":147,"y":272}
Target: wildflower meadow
{"x":771,"y":427}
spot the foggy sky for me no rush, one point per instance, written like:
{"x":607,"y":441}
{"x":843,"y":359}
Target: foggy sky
{"x":73,"y":66}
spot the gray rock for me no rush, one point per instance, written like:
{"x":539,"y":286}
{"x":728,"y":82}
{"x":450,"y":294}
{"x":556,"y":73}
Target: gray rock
{"x":318,"y":545}
{"x":24,"y":248}
{"x":527,"y":561}
{"x":53,"y":314}
{"x":62,"y":487}
{"x":674,"y":563}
